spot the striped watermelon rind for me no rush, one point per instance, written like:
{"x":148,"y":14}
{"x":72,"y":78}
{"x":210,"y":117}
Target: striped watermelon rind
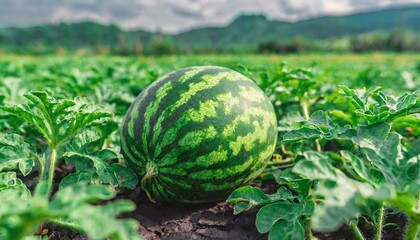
{"x":198,"y":133}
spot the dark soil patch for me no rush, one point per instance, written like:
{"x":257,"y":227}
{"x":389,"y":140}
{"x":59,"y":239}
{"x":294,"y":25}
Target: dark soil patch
{"x":208,"y":221}
{"x":203,"y":221}
{"x":59,"y":233}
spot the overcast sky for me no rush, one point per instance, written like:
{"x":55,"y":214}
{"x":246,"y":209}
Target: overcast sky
{"x":175,"y":15}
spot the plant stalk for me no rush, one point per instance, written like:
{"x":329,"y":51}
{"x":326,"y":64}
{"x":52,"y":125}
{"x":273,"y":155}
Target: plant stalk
{"x":41,"y":166}
{"x":281,"y":162}
{"x":402,"y":113}
{"x":285,"y":151}
{"x":318,"y":145}
{"x":356,"y":231}
{"x":412,"y":230}
{"x":51,"y":169}
{"x":305,"y":109}
{"x":378,"y":235}
{"x":66,"y":224}
{"x":150,"y":173}
{"x":308,"y":230}
{"x":280,"y":166}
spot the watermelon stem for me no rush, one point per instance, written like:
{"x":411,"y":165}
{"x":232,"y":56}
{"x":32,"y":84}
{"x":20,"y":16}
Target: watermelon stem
{"x":305,"y":109}
{"x":285,"y":151}
{"x":150,"y":173}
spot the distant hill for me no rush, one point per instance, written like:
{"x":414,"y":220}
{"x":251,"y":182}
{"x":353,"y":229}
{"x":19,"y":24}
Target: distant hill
{"x":244,"y":32}
{"x":251,"y":30}
{"x":66,"y":35}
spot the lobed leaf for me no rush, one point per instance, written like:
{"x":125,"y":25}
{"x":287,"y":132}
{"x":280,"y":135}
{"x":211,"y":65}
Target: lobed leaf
{"x":268,"y":215}
{"x":57,"y":120}
{"x":74,"y":207}
{"x":375,"y":106}
{"x":287,"y":230}
{"x":98,"y":222}
{"x":284,"y":219}
{"x":12,"y":188}
{"x":247,"y":197}
{"x":15,"y":153}
{"x":95,"y":165}
{"x":292,"y":180}
{"x":318,"y":126}
{"x":340,"y":194}
{"x":279,"y":209}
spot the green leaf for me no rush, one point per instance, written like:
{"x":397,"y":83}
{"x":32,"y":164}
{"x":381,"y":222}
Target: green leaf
{"x":75,"y":207}
{"x":284,"y":219}
{"x":104,"y":170}
{"x":292,"y":181}
{"x":317,"y":126}
{"x":126,"y":177}
{"x":339,"y":206}
{"x":407,"y":126}
{"x":57,"y":120}
{"x":18,"y":218}
{"x":15,"y":153}
{"x":373,"y":137}
{"x":97,"y":222}
{"x":15,"y":199}
{"x":384,"y":151}
{"x":301,"y":134}
{"x":268,"y":215}
{"x":340,"y":194}
{"x":287,"y":230}
{"x":12,"y":188}
{"x":75,"y":195}
{"x":85,"y":115}
{"x":358,"y":167}
{"x":316,"y":167}
{"x":247,"y":197}
{"x":42,"y":114}
{"x":78,"y":177}
{"x":356,"y":97}
{"x":376,"y":106}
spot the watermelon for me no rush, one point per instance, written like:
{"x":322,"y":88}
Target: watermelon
{"x":198,"y":133}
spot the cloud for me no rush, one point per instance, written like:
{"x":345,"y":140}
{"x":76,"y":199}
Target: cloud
{"x":175,"y":16}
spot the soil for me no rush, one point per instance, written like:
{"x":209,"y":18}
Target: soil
{"x":203,"y":221}
{"x":196,"y":222}
{"x":209,"y":221}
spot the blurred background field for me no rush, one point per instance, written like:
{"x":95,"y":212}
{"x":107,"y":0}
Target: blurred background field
{"x":357,"y":43}
{"x":83,"y":75}
{"x":154,"y":28}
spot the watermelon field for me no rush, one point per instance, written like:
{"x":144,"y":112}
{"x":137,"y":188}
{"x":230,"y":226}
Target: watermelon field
{"x":322,"y":146}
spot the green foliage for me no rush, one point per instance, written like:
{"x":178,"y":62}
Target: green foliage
{"x":57,"y":121}
{"x":375,"y":106}
{"x":12,"y":187}
{"x":15,"y":153}
{"x":294,"y":46}
{"x":398,"y":40}
{"x":344,"y":153}
{"x":70,"y":207}
{"x":93,"y":166}
{"x":62,"y":122}
{"x":378,"y":172}
{"x":282,"y":214}
{"x":160,"y":45}
{"x":361,"y":166}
